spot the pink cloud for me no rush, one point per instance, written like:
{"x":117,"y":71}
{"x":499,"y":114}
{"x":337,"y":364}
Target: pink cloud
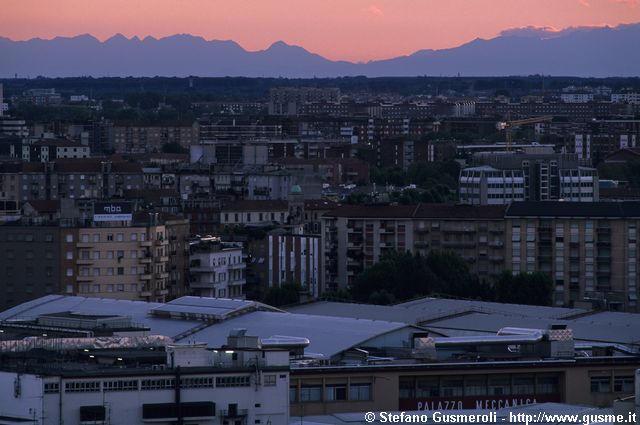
{"x":630,"y":3}
{"x":584,"y":3}
{"x":375,"y":10}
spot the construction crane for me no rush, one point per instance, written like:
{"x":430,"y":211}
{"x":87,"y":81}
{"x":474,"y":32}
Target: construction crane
{"x":508,"y":125}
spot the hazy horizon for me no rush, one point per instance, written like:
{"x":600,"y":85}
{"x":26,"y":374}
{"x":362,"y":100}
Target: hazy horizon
{"x":355,"y":31}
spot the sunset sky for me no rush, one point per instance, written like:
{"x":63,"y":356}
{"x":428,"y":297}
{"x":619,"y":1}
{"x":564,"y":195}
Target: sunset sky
{"x":356,"y":30}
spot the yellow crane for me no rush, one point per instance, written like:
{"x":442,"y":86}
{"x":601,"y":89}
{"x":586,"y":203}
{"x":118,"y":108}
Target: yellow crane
{"x":509,"y":124}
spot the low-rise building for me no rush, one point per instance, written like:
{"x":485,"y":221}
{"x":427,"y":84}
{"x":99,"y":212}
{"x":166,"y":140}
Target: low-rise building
{"x":148,"y":379}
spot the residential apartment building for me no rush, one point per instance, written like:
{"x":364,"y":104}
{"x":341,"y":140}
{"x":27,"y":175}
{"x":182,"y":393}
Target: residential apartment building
{"x":148,"y":138}
{"x":51,"y":149}
{"x":124,"y":262}
{"x":589,"y":249}
{"x":216,"y":269}
{"x":283,"y":257}
{"x":356,"y":237}
{"x":507,"y":177}
{"x":71,"y":178}
{"x":288,"y":100}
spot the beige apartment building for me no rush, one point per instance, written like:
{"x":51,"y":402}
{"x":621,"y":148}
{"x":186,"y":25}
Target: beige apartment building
{"x":129,"y":262}
{"x":589,"y":250}
{"x":356,"y":237}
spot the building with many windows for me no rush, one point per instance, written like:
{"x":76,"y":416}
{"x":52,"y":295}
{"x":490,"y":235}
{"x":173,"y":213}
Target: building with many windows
{"x":356,"y":237}
{"x":216,"y":269}
{"x":503,"y":178}
{"x":590,"y":250}
{"x":147,"y":380}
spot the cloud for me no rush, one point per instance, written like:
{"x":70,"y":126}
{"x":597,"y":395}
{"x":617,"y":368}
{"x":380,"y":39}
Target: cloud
{"x":375,"y":10}
{"x":630,"y":3}
{"x":584,"y":3}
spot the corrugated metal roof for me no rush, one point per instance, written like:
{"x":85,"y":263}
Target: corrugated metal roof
{"x":328,"y":335}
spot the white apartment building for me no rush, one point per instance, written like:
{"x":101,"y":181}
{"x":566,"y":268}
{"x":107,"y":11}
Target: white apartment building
{"x":217,"y":270}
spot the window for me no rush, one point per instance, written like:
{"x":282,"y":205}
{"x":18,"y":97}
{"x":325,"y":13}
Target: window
{"x":69,"y":255}
{"x":452,"y":387}
{"x":82,"y":387}
{"x":427,"y":387}
{"x":523,"y":384}
{"x":600,"y":384}
{"x":69,"y":272}
{"x":92,"y":413}
{"x":69,"y":237}
{"x":51,"y":388}
{"x":85,"y":238}
{"x":269,"y":380}
{"x":311,"y":393}
{"x":293,"y":392}
{"x":499,"y":385}
{"x":128,"y":385}
{"x":134,"y":236}
{"x":157,"y":384}
{"x":232,"y":381}
{"x":335,"y":392}
{"x":197,"y":382}
{"x":475,"y":385}
{"x":120,"y":237}
{"x":96,"y":255}
{"x":360,"y":392}
{"x":623,"y":384}
{"x":547,"y":384}
{"x":120,"y":271}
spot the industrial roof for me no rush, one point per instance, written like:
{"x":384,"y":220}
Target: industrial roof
{"x":328,"y":335}
{"x":467,"y":318}
{"x":211,"y":319}
{"x":426,"y":310}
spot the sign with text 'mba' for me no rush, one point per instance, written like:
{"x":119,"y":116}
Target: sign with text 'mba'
{"x":112,"y":211}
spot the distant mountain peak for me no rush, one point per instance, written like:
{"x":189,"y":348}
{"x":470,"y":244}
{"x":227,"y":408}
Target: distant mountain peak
{"x":582,"y":51}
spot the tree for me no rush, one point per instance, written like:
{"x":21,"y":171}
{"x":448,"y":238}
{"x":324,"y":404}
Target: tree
{"x":400,"y":276}
{"x":286,"y":294}
{"x":525,"y":288}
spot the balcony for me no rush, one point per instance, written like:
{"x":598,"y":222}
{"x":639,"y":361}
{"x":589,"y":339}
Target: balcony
{"x":146,"y":293}
{"x":146,"y":243}
{"x":237,"y":266}
{"x":146,"y":260}
{"x":162,"y":275}
{"x":146,"y":276}
{"x":161,"y":242}
{"x":162,"y":259}
{"x":84,"y":278}
{"x":84,"y":261}
{"x":85,"y":244}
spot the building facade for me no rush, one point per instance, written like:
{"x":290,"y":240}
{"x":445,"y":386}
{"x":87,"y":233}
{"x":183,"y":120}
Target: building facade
{"x":589,"y":250}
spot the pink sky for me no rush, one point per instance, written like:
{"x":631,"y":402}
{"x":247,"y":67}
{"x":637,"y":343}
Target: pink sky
{"x":356,"y":30}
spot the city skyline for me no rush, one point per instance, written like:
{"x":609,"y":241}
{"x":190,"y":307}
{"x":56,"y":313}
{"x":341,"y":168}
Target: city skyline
{"x":358,"y":31}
